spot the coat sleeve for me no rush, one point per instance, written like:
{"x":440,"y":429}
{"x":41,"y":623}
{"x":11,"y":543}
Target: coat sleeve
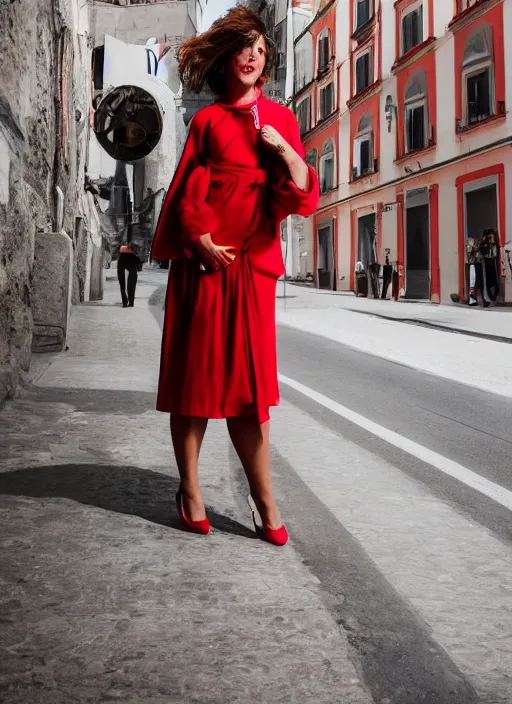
{"x":287,"y":199}
{"x":185,"y":215}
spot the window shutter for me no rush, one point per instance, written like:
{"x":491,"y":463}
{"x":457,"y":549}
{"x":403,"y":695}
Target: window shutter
{"x":479,"y":99}
{"x":359,"y":75}
{"x":362,"y":72}
{"x":418,"y":127}
{"x":329,"y":91}
{"x":365,"y":156}
{"x":363,"y":12}
{"x":367,"y":70}
{"x":329,"y":173}
{"x":406,"y":34}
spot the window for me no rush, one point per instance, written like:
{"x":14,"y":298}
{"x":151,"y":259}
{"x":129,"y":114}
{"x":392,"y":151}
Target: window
{"x":311,"y":158}
{"x":364,"y":11}
{"x":416,"y":114}
{"x":478,"y":78}
{"x":304,"y":115}
{"x":327,"y":167}
{"x":326,"y":101}
{"x":412,"y":27}
{"x":364,"y":72}
{"x":324,"y":50}
{"x":363,"y":162}
{"x":466,"y":4}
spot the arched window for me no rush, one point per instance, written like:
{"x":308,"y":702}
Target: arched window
{"x":327,"y":167}
{"x":363,"y":161}
{"x":324,"y":50}
{"x":416,"y":120}
{"x":478,"y":77}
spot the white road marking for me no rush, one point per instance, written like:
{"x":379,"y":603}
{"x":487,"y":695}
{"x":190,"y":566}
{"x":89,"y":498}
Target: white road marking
{"x":494,"y":491}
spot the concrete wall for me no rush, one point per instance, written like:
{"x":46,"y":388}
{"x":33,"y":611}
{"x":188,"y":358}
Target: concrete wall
{"x":40,"y":149}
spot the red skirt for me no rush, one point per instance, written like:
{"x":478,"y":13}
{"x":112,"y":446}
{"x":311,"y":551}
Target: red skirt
{"x":219,"y":342}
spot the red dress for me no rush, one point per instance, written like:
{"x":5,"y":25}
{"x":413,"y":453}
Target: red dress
{"x":219,"y":341}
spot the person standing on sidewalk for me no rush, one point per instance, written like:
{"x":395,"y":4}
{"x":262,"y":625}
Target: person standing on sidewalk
{"x":242,"y":172}
{"x":129,"y":262}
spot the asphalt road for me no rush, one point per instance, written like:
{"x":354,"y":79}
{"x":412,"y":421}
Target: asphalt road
{"x":436,"y":522}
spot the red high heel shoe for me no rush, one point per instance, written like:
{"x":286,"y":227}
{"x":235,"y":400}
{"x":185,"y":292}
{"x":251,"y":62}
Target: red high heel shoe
{"x":200,"y":527}
{"x":278,"y":536}
{"x":275,"y":536}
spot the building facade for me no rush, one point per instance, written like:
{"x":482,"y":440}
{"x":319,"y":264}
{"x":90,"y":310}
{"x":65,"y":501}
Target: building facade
{"x":47,"y":248}
{"x":405,"y":114}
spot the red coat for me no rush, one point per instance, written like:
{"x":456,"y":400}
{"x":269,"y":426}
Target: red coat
{"x":218,"y":350}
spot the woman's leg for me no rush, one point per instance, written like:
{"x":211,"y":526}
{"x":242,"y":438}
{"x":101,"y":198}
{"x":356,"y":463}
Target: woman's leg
{"x":132,"y":284}
{"x":251,"y":441}
{"x":187,"y":437}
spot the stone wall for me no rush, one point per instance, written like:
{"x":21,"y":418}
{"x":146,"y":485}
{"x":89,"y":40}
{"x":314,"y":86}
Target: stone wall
{"x":43,"y":83}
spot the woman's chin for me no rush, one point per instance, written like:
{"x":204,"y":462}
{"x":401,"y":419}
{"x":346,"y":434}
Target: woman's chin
{"x":247,"y":80}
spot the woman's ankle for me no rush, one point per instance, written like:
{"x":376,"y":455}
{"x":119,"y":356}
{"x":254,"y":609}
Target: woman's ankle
{"x":190,"y":489}
{"x":268,"y":510}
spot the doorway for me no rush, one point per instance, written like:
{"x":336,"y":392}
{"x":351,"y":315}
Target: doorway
{"x":368,"y":277}
{"x":481,"y":213}
{"x":325,"y":265}
{"x":417,"y":245}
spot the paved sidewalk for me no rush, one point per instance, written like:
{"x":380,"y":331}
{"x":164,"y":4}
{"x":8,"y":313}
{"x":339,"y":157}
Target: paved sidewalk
{"x":104,"y":598}
{"x":491,"y":323}
{"x":380,"y":328}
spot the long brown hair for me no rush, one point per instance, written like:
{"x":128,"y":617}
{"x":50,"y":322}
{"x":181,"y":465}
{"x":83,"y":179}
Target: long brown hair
{"x":203,"y":59}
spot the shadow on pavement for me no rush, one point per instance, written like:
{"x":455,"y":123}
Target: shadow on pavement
{"x":129,"y":490}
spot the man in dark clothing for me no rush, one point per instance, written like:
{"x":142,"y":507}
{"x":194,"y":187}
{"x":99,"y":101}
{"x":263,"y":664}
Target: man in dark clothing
{"x":128,"y":262}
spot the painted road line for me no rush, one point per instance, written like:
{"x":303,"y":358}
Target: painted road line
{"x":453,"y":469}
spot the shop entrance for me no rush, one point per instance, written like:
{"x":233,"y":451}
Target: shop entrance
{"x":417,"y":244}
{"x":482,"y":280}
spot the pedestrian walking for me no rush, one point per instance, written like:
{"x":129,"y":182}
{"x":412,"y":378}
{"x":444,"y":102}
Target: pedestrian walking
{"x":129,"y":262}
{"x":242,"y":172}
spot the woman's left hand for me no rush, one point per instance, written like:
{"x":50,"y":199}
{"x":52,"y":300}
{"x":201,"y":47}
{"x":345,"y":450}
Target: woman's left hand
{"x":296,"y":165}
{"x":274,"y":140}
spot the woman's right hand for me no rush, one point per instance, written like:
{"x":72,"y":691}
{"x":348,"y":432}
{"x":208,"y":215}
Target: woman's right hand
{"x":212,"y":255}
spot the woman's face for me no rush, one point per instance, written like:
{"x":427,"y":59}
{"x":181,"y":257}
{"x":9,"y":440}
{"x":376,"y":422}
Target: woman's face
{"x":248,"y":66}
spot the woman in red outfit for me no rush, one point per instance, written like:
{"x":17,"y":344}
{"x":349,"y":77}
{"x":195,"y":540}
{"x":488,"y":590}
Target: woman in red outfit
{"x":242,"y":172}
